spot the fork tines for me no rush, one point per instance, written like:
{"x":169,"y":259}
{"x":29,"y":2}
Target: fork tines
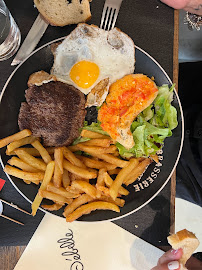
{"x":110,"y":14}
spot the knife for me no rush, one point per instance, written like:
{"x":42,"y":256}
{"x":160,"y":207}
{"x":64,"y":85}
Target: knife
{"x":35,"y":33}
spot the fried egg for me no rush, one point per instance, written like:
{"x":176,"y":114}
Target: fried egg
{"x":90,"y":54}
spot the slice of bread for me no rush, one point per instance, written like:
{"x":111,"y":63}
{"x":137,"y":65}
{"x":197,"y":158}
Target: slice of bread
{"x":64,"y":12}
{"x":185,"y":240}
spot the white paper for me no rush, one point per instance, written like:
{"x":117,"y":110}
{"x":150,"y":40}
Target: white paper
{"x":189,"y":215}
{"x":86,"y":246}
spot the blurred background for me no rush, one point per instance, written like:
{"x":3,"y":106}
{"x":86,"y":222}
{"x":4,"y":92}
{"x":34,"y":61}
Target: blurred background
{"x":189,"y":169}
{"x":190,"y":42}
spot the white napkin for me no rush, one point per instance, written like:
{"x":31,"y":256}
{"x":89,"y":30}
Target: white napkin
{"x":86,"y":246}
{"x":188,"y":215}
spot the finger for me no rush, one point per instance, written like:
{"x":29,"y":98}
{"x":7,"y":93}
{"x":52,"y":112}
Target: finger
{"x":169,"y":256}
{"x":178,"y":4}
{"x":174,"y":265}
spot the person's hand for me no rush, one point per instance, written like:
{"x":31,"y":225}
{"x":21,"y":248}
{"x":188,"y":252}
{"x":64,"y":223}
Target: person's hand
{"x":193,"y":6}
{"x":169,"y":260}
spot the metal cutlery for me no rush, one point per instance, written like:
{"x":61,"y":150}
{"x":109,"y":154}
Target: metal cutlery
{"x":110,"y":14}
{"x":35,"y":33}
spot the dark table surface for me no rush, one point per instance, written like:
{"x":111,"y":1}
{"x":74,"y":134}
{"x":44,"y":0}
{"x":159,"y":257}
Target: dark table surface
{"x":151,"y":25}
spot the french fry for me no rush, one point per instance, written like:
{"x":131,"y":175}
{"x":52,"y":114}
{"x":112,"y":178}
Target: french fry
{"x":17,"y":136}
{"x":104,"y":191}
{"x":85,"y":187}
{"x":61,"y":191}
{"x":118,"y":201}
{"x":100,"y":178}
{"x":30,"y":176}
{"x":109,"y":181}
{"x":16,"y":144}
{"x":29,"y":150}
{"x":137,"y":172}
{"x":32,"y":151}
{"x":65,"y":178}
{"x":74,"y":177}
{"x":35,"y":182}
{"x":34,"y":162}
{"x":46,"y":180}
{"x":92,"y":206}
{"x":52,"y":207}
{"x":17,"y":162}
{"x":155,"y":158}
{"x":100,"y":181}
{"x":116,"y":153}
{"x":83,"y":179}
{"x":54,"y":197}
{"x":111,"y":159}
{"x":58,"y":155}
{"x":57,"y":177}
{"x":73,"y":148}
{"x":97,"y":164}
{"x":98,"y":142}
{"x":114,"y":188}
{"x":71,"y":173}
{"x":43,"y":152}
{"x":28,"y":182}
{"x":96,"y":149}
{"x":84,"y":173}
{"x":72,"y":158}
{"x":85,"y":198}
{"x":93,"y":135}
{"x":98,"y":192}
{"x":114,"y":171}
{"x":73,"y":190}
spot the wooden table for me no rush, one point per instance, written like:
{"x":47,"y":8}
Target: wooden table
{"x":9,"y":255}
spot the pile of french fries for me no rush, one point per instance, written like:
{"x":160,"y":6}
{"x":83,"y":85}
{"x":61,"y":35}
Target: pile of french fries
{"x":81,"y":183}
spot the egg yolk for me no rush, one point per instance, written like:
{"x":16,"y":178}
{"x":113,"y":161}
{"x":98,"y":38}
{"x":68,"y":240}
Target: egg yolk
{"x":84,"y":73}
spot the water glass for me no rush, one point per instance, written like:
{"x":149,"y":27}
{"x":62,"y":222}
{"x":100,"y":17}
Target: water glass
{"x":10,"y":36}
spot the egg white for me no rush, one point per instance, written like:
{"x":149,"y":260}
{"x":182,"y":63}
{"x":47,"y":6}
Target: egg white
{"x":112,"y":51}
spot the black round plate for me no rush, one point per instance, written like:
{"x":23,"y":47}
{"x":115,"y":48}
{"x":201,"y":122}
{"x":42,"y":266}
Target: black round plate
{"x":143,"y":190}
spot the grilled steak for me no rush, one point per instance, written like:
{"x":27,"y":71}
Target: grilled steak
{"x":54,"y":111}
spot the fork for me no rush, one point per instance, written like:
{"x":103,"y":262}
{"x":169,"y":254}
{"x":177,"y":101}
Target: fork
{"x":110,"y":14}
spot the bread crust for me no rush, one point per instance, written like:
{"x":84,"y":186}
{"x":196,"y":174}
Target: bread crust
{"x":63,"y":15}
{"x":187,"y":241}
{"x":40,"y":77}
{"x":180,"y":236}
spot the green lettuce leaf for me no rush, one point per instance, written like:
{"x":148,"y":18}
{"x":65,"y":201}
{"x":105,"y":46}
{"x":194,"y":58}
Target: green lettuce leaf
{"x":94,"y":127}
{"x":80,"y":140}
{"x":165,"y":113}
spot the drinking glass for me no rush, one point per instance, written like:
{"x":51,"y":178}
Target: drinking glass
{"x":10,"y":36}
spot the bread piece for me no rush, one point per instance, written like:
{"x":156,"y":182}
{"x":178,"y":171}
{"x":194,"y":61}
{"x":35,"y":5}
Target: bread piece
{"x":185,"y":240}
{"x":64,"y":12}
{"x":40,"y":77}
{"x":98,"y":94}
